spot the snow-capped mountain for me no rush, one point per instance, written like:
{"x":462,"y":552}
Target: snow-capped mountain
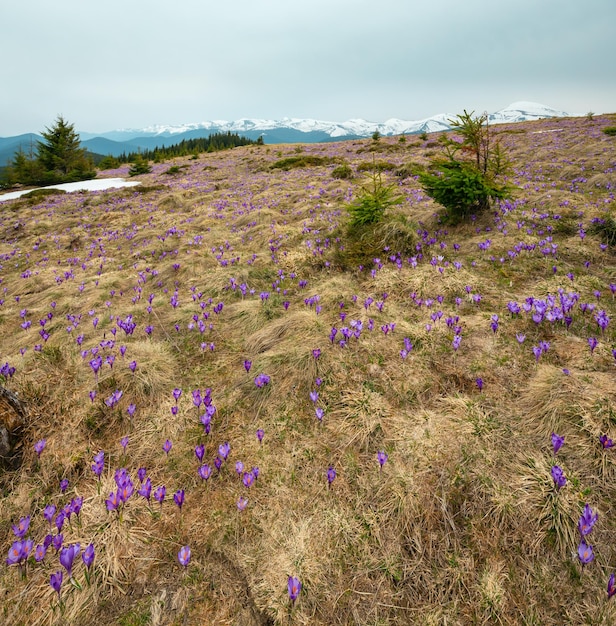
{"x":516,"y":112}
{"x":286,"y":130}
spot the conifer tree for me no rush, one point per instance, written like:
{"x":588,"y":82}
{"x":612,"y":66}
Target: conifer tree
{"x":61,"y":154}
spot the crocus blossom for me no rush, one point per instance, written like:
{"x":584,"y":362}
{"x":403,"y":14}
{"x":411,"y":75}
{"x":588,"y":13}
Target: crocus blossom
{"x":294,"y":587}
{"x":587,"y":520}
{"x":557,"y":442}
{"x":55,"y":580}
{"x":184,"y":556}
{"x":558,"y":477}
{"x":585,"y":553}
{"x":67,"y":557}
{"x":39,"y":446}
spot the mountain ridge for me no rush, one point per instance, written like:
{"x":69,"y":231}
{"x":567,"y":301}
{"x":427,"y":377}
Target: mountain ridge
{"x":285,"y":130}
{"x":517,"y":111}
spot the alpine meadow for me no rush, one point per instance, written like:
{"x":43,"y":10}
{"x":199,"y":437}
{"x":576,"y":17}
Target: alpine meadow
{"x":279,"y":385}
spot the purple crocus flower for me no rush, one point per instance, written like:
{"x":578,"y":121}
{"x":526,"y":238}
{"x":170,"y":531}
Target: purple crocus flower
{"x":39,"y":446}
{"x":178,"y":498}
{"x":60,"y":518}
{"x":479,"y":383}
{"x":200,"y":452}
{"x":88,"y":556}
{"x":176,"y":394}
{"x":39,"y":552}
{"x":558,"y":477}
{"x":145,"y":490}
{"x":239,"y":467}
{"x":113,"y":501}
{"x":124,"y":443}
{"x":141,"y":474}
{"x":22,"y":527}
{"x":159,"y":494}
{"x":75,"y":505}
{"x":64,"y":485}
{"x":55,"y":581}
{"x":331,"y":476}
{"x":16,"y":553}
{"x":592,"y":344}
{"x":494,"y":323}
{"x":196,"y":397}
{"x":611,"y":586}
{"x":167,"y":446}
{"x":319,"y":412}
{"x":248,"y":479}
{"x":557,"y":442}
{"x":294,"y":587}
{"x":587,"y":520}
{"x":247,"y":365}
{"x":99,"y":463}
{"x":261,"y":380}
{"x":585,"y":553}
{"x":605,"y":442}
{"x":67,"y":556}
{"x":223,"y":450}
{"x":184,"y":556}
{"x":205,"y":471}
{"x":57,"y":541}
{"x":242,"y":503}
{"x":457,"y":340}
{"x":260,"y":434}
{"x":381,"y":458}
{"x":48,"y":512}
{"x":126,"y":490}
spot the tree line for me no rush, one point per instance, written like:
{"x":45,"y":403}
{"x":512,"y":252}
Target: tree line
{"x":186,"y":147}
{"x":59,"y":158}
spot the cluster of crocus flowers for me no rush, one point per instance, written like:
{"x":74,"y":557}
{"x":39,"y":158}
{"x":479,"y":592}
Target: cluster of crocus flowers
{"x":125,"y":490}
{"x":586,"y":523}
{"x":558,"y":475}
{"x":19,"y":552}
{"x":261,"y":380}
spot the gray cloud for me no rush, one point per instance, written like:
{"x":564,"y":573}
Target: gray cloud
{"x":127,"y":64}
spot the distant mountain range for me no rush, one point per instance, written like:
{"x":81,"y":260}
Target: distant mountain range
{"x":286,"y":130}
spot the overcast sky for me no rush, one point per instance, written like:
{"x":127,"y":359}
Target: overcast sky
{"x":133,"y":63}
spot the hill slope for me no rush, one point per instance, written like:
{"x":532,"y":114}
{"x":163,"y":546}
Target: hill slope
{"x":346,"y":440}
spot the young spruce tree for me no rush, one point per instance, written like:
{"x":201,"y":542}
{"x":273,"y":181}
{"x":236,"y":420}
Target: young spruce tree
{"x":61,"y":155}
{"x":465,"y":179}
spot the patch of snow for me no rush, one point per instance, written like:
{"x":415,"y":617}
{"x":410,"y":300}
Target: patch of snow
{"x":95,"y":184}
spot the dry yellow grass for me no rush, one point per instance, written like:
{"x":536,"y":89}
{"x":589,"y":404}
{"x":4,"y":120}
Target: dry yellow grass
{"x":461,"y":525}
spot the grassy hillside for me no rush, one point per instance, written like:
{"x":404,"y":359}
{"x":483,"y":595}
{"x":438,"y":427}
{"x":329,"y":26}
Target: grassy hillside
{"x":403,"y":476}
